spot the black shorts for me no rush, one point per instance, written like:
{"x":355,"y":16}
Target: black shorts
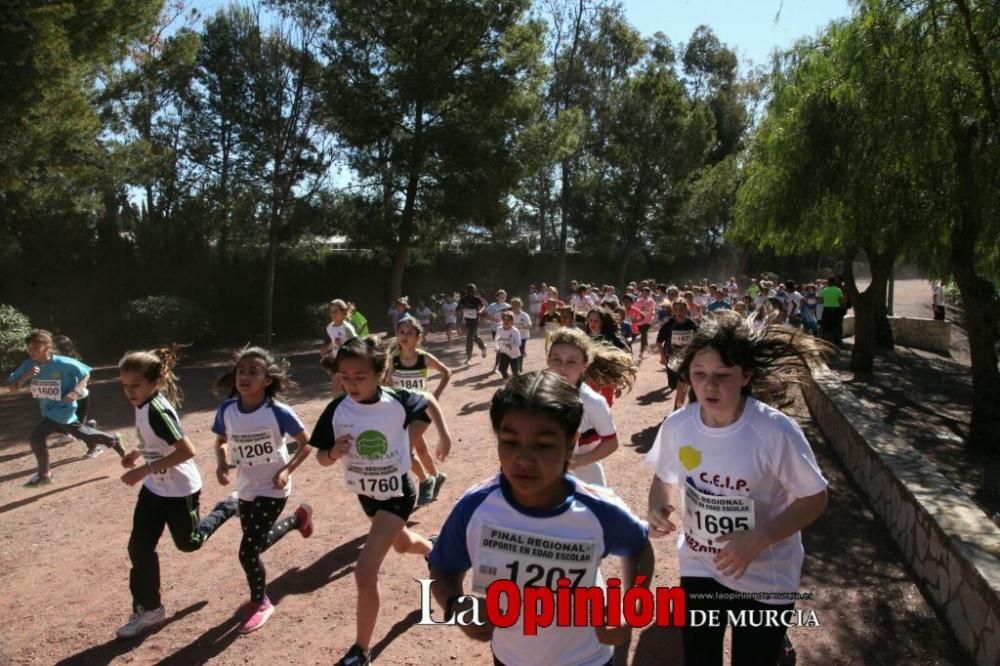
{"x":397,"y":506}
{"x":673,"y":378}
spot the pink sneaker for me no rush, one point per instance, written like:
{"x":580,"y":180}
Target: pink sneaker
{"x":257,"y":615}
{"x":304,"y":514}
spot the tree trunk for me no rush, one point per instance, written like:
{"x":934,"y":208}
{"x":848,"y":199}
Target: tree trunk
{"x":623,"y":268}
{"x":564,"y":202}
{"x":978,"y":296}
{"x":871,"y":325}
{"x":272,"y":263}
{"x":407,"y":224}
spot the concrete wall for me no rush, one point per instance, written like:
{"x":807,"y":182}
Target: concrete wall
{"x":950,"y":543}
{"x":918,"y":332}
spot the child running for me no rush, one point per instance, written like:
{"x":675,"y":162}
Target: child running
{"x":410,"y":370}
{"x":472,"y":307}
{"x":579,"y":361}
{"x":56,"y":382}
{"x":368,"y":427}
{"x":727,"y":443}
{"x":171,"y":483}
{"x":250,"y":429}
{"x":673,"y":337}
{"x":63,"y":346}
{"x":536,"y":417}
{"x":508,"y":342}
{"x":522,"y":321}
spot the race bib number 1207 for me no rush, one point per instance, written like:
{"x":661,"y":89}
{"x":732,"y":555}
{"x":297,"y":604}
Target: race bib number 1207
{"x":532,"y":559}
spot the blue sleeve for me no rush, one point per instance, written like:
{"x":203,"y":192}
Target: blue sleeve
{"x":451,"y":550}
{"x":415,"y":405}
{"x":19,"y":372}
{"x":219,"y":425}
{"x":624,"y":534}
{"x":79,"y":370}
{"x":288,"y":421}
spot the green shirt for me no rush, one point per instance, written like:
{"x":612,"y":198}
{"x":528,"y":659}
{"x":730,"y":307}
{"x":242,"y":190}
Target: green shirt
{"x":831,"y":296}
{"x":753,"y":290}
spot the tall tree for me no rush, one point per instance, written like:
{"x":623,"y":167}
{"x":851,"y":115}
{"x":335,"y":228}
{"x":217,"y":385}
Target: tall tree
{"x":428,"y":97}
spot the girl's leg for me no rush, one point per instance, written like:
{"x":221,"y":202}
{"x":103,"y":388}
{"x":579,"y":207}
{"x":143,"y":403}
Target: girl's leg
{"x":94,"y":437}
{"x":419,"y":446}
{"x":39,"y":446}
{"x":190,"y":533}
{"x":470,"y":338}
{"x":261,"y":530}
{"x":759,"y":646}
{"x":415,"y":465}
{"x":147,"y":525}
{"x":386,"y":528}
{"x":680,"y":397}
{"x":702,"y":645}
{"x":503,"y":362}
{"x":82,"y":407}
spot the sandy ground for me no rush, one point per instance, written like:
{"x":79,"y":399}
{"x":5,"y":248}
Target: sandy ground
{"x":64,"y":566}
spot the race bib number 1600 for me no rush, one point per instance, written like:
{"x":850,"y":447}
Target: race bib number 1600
{"x":46,"y":389}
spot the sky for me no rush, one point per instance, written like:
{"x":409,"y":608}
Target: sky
{"x":747,"y":26}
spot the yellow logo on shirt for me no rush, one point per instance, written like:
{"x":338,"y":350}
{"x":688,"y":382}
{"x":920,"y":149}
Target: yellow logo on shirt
{"x":690,"y":457}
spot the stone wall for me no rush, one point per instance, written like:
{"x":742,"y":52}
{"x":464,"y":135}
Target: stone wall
{"x":950,"y":543}
{"x":917,"y":332}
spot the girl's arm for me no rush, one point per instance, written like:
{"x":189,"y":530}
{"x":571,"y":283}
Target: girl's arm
{"x":444,"y":435}
{"x":449,"y":587}
{"x":183,"y":450}
{"x":434,"y":364}
{"x":281,"y":478}
{"x":659,"y":508}
{"x":222,"y":459}
{"x":599,"y":452}
{"x":743,"y":547}
{"x":78,"y":389}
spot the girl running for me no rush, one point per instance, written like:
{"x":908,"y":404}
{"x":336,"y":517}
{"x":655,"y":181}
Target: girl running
{"x":56,"y":381}
{"x":368,"y":427}
{"x":601,"y":327}
{"x":472,"y":306}
{"x":410,"y":370}
{"x":250,"y":429}
{"x":171,"y":485}
{"x":536,"y":417}
{"x":673,"y":337}
{"x":647,"y":306}
{"x":523,"y":324}
{"x":579,"y":361}
{"x":727,"y":443}
{"x":508,"y":341}
{"x":448,"y":309}
{"x":65,"y":347}
{"x":339,"y":330}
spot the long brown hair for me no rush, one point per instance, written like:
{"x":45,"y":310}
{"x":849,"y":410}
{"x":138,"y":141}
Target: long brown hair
{"x":157,"y":366}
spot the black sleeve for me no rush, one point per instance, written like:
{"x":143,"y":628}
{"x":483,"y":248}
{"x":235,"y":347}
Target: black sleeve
{"x":663,"y":334}
{"x":415,"y":405}
{"x":322,"y":435}
{"x":165,"y":425}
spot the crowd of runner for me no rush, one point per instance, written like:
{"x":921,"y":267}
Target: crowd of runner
{"x":727,"y":350}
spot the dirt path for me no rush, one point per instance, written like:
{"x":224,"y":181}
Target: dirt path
{"x":64,"y":567}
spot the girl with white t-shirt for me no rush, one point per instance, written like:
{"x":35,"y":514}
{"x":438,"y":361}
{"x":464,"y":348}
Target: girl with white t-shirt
{"x":250,"y":432}
{"x":171,"y":484}
{"x":522,"y":322}
{"x":582,"y":363}
{"x":727,"y":444}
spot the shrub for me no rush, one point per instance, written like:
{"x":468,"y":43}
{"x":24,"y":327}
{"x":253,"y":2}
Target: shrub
{"x":14,"y":327}
{"x":157,"y":320}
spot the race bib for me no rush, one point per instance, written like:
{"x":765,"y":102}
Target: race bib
{"x":506,"y":344}
{"x":707,"y":517}
{"x":470,"y":313}
{"x":412,"y":380}
{"x":373,"y":469}
{"x":530,"y":559}
{"x":254,"y":448}
{"x":151,"y":456}
{"x":681,"y":338}
{"x":46,"y":389}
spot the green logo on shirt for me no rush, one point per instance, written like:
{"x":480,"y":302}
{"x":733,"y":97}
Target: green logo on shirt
{"x":371,"y":444}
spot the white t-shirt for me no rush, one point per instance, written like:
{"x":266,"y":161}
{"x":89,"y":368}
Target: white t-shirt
{"x":257,"y":444}
{"x":449,"y":312}
{"x":581,"y":304}
{"x":380,"y":451}
{"x":424,"y":315}
{"x":596,"y":426}
{"x":159,"y":431}
{"x":508,"y":342}
{"x":522,"y":322}
{"x":535,"y":300}
{"x":794,"y":303}
{"x":339,"y":334}
{"x":765,"y":457}
{"x":483,"y":531}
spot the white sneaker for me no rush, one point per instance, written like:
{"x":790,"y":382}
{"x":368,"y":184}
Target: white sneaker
{"x":64,"y":439}
{"x":141,"y":622}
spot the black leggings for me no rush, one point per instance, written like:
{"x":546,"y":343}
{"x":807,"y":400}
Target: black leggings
{"x":752,"y":646}
{"x":261,"y":531}
{"x":472,"y":336}
{"x":90,"y":436}
{"x":643,"y":337}
{"x":180,"y":516}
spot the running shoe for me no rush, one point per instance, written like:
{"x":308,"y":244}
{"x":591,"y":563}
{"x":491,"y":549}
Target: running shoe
{"x":426,"y":492}
{"x":484,"y":352}
{"x":142,"y":621}
{"x":304,"y":514}
{"x":93,"y":452}
{"x":63,"y":439}
{"x":438,"y":482}
{"x":257,"y":615}
{"x":91,"y":423}
{"x":119,"y":445}
{"x":38,"y":480}
{"x":355,"y":657}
